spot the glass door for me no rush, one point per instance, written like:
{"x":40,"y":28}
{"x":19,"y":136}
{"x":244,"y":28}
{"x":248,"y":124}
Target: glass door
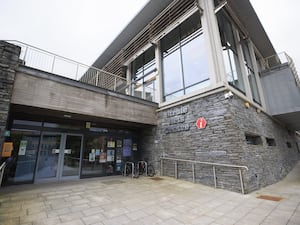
{"x":71,"y":159}
{"x":49,"y":155}
{"x":59,"y":157}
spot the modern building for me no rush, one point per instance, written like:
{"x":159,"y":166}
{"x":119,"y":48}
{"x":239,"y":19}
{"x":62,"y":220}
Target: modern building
{"x":194,"y":86}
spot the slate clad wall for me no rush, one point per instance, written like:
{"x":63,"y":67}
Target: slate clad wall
{"x":222,"y":141}
{"x":9,"y":59}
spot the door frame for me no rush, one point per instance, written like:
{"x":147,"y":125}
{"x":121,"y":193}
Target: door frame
{"x":60,"y":162}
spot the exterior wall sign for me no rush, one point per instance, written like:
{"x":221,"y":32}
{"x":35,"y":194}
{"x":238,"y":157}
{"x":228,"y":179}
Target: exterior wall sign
{"x":22,"y":148}
{"x":201,"y":123}
{"x":176,"y":119}
{"x":7,"y":149}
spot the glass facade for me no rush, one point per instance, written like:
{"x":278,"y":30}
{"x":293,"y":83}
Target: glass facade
{"x":48,"y":151}
{"x":230,"y":52}
{"x":250,"y":72}
{"x":185,"y":65}
{"x":143,"y":76}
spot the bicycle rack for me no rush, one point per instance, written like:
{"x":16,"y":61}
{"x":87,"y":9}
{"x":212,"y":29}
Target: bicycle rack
{"x":132,"y":169}
{"x":145,"y":166}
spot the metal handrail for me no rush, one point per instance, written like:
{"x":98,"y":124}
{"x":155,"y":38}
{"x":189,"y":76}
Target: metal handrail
{"x":193,"y":162}
{"x":280,"y":59}
{"x":34,"y":57}
{"x":2,"y":168}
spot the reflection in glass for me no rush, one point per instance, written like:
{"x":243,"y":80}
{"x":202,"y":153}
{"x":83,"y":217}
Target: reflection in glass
{"x":94,"y":156}
{"x":250,"y":72}
{"x":185,"y":64}
{"x":48,"y":156}
{"x":21,"y":164}
{"x":173,"y":79}
{"x":195,"y":62}
{"x":230,"y":53}
{"x":72,"y":156}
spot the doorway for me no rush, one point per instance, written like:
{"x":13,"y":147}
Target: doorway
{"x":59,"y":157}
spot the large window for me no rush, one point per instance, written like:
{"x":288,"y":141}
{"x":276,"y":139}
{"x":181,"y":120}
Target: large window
{"x":230,"y":53}
{"x":143,"y":76}
{"x":185,"y":66}
{"x":250,"y":72}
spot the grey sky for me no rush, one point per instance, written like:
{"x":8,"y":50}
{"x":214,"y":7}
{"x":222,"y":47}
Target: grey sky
{"x":82,"y":29}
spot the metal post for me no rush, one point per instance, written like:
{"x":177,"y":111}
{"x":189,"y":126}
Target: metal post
{"x":161,"y":167}
{"x":176,"y":175}
{"x":146,"y":166}
{"x":97,"y":79}
{"x":193,"y":169}
{"x":115,"y":86}
{"x":77,"y":68}
{"x":132,"y":171}
{"x":241,"y":180}
{"x":215,"y":179}
{"x":25,"y":54}
{"x":52,"y":69}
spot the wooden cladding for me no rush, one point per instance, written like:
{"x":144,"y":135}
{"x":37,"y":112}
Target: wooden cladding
{"x":168,"y":16}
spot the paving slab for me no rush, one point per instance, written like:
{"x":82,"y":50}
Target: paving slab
{"x":122,"y":200}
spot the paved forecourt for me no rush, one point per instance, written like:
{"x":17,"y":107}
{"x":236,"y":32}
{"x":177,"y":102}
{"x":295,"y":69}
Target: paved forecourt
{"x":163,"y":200}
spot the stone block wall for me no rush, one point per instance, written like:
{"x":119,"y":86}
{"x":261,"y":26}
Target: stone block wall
{"x":222,"y":141}
{"x":9,"y":60}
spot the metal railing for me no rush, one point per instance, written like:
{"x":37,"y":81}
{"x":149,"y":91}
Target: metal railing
{"x":280,"y":59}
{"x":2,"y":168}
{"x":46,"y":61}
{"x":214,"y":165}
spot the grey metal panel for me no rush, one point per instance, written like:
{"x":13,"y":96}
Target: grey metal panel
{"x":282,"y":95}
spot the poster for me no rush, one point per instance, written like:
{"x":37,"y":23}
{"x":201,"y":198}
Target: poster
{"x":134,"y":147}
{"x":97,"y":152}
{"x":119,"y":143}
{"x":102,"y":158}
{"x":92,"y":157}
{"x":22,"y":148}
{"x":111,"y":144}
{"x":127,"y":147}
{"x":110,"y":155}
{"x":7,"y":149}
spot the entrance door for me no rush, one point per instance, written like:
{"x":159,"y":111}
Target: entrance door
{"x":59,"y":157}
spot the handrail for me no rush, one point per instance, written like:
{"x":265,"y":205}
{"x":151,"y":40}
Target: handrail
{"x":35,"y":57}
{"x":176,"y":160}
{"x":280,"y":59}
{"x":2,"y":168}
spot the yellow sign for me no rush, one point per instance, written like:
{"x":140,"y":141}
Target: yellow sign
{"x":7,"y":149}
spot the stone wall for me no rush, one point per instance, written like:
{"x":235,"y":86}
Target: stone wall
{"x":9,"y":60}
{"x":222,"y":141}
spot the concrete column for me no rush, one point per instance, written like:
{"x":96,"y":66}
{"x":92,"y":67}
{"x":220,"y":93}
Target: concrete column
{"x":9,"y":61}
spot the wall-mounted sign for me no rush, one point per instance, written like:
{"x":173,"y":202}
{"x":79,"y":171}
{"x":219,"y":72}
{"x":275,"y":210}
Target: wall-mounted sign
{"x":7,"y":133}
{"x":22,"y":148}
{"x":176,"y":118}
{"x":7,"y":149}
{"x":201,"y":123}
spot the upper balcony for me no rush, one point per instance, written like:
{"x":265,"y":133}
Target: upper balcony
{"x":40,"y":59}
{"x":281,"y":86}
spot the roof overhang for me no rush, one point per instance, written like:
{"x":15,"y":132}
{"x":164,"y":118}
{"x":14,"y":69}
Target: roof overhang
{"x":242,"y":8}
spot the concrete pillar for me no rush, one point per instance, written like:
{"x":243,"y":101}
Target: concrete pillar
{"x":9,"y":61}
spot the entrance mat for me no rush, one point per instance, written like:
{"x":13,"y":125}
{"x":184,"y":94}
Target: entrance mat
{"x":112,"y":182}
{"x":156,"y":178}
{"x":269,"y":197}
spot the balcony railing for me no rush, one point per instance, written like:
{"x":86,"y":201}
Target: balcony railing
{"x":280,"y":59}
{"x":46,"y":61}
